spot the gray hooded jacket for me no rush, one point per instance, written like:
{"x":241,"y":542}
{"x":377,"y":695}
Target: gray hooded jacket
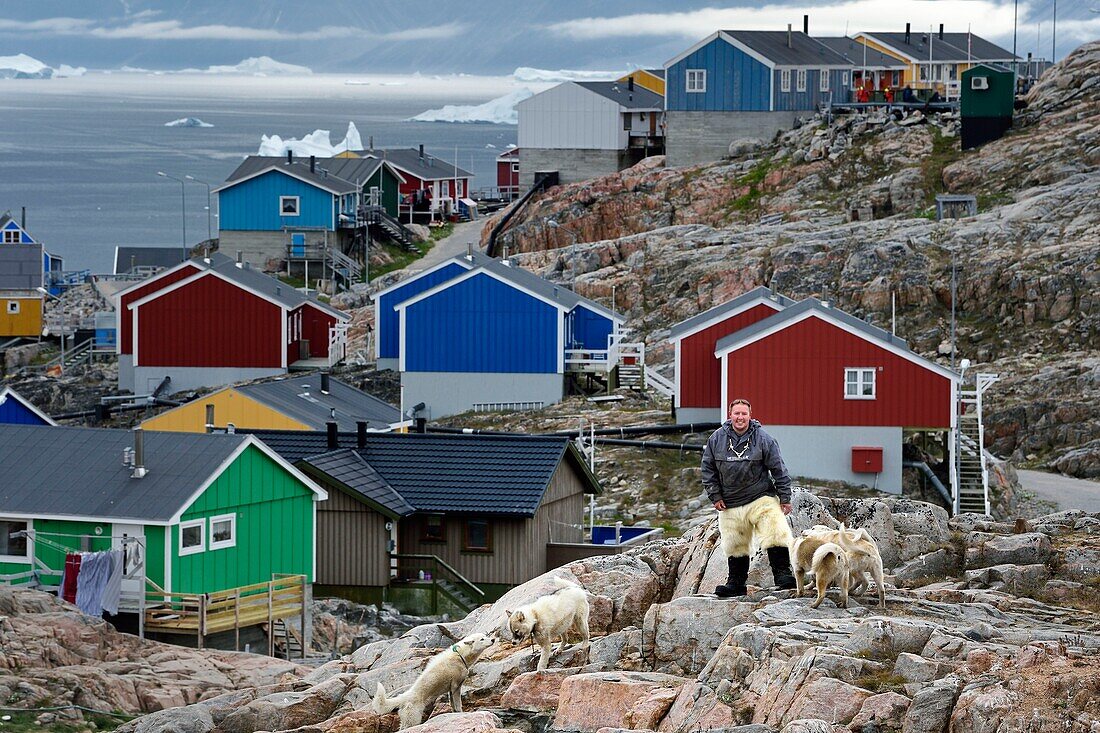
{"x":736,"y":467}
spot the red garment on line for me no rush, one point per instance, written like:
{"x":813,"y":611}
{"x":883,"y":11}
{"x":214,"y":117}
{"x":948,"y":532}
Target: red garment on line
{"x":68,"y":580}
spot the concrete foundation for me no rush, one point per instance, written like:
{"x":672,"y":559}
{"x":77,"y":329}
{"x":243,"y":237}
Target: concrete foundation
{"x":699,"y":414}
{"x":693,"y":138}
{"x":825,"y":452}
{"x":450,"y":393}
{"x":143,"y":380}
{"x":265,"y":250}
{"x":573,"y":165}
{"x":393,"y":364}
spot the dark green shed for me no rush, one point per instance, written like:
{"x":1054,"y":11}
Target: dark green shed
{"x":986,"y":102}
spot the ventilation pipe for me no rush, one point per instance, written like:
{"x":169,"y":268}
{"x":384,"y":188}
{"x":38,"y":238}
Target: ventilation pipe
{"x":422,"y":151}
{"x":906,"y":34}
{"x":630,"y":83}
{"x":240,"y":259}
{"x":333,"y":438}
{"x":209,"y":418}
{"x":806,"y":24}
{"x":289,"y":157}
{"x":324,"y":382}
{"x":313,"y":164}
{"x":361,"y":434}
{"x":23,"y":217}
{"x":470,"y":251}
{"x":139,"y":454}
{"x":941,"y":31}
{"x":790,"y":37}
{"x":371,"y":142}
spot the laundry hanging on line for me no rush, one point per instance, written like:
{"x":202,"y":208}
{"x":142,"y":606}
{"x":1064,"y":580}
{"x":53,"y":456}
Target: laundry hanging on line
{"x":93,"y":581}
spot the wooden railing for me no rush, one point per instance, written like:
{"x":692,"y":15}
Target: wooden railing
{"x":436,"y":571}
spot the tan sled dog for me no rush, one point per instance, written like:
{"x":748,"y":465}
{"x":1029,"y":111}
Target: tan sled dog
{"x":444,"y":674}
{"x":556,"y":614}
{"x":863,"y":558}
{"x":830,"y":566}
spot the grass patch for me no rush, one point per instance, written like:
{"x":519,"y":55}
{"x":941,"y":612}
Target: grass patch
{"x":881,"y":682}
{"x":401,"y":258}
{"x":442,"y":232}
{"x":945,"y":151}
{"x":292,"y":280}
{"x":24,"y":722}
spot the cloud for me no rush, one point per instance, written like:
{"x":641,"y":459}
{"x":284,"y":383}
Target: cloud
{"x":988,"y":17}
{"x":142,"y":27}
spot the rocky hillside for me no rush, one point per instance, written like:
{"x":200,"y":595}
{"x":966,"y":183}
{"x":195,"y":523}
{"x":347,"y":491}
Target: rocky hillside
{"x":989,"y":628}
{"x":856,"y":202}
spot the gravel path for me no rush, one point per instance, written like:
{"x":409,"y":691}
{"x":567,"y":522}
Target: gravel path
{"x":1065,"y":491}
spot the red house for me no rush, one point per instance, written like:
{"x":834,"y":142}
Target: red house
{"x":698,"y":376}
{"x":433,"y":189}
{"x":213,"y":321}
{"x":508,"y":174}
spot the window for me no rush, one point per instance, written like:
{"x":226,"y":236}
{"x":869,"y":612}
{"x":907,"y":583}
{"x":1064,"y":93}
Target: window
{"x":952,"y":72}
{"x":192,"y":537}
{"x":859,"y":383}
{"x":696,"y":80}
{"x":12,"y":549}
{"x":895,"y":78}
{"x":223,"y":531}
{"x":432,"y":529}
{"x":288,"y":206}
{"x":11,"y":236}
{"x":458,"y":188}
{"x":477,"y":536}
{"x":923,"y":72}
{"x":785,"y":80}
{"x":626,"y":121}
{"x":844,"y":78}
{"x":823,"y":77}
{"x":13,"y":307}
{"x":801,"y":80}
{"x":446,"y":188}
{"x":515,"y":167}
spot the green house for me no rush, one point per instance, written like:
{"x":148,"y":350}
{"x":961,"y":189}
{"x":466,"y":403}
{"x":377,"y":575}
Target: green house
{"x":196,"y":514}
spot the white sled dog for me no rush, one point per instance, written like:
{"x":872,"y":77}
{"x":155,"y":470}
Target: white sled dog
{"x":444,"y":674}
{"x":556,"y":614}
{"x":863,"y":558}
{"x":830,"y":565}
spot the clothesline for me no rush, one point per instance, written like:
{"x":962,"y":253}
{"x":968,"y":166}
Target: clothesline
{"x":33,"y":534}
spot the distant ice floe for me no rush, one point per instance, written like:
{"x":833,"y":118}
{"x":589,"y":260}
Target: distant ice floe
{"x":259,"y":66}
{"x":501,"y":111}
{"x":187,"y":122}
{"x":316,"y":143}
{"x":23,"y":66}
{"x":528,"y":74}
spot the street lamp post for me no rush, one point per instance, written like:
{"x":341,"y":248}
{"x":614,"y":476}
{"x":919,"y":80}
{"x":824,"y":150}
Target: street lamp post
{"x":64,"y":323}
{"x":183,"y":203}
{"x":209,"y":228}
{"x":553,"y":223}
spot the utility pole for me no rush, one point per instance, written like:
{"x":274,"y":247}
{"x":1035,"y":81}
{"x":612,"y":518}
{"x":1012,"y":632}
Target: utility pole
{"x":954,"y":297}
{"x":1015,"y":15}
{"x":1054,"y":33}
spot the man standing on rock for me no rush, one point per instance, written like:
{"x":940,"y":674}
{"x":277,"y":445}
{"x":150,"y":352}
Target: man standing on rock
{"x":746,"y":480}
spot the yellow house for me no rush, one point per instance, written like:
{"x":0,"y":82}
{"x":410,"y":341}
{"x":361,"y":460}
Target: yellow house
{"x":22,"y":314}
{"x":20,"y":278}
{"x":936,"y":61}
{"x":297,"y":403}
{"x":651,"y":79}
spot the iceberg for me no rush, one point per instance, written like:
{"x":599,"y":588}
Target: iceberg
{"x":65,"y":71}
{"x":316,"y":143}
{"x":23,"y":66}
{"x":501,"y":111}
{"x":259,"y":66}
{"x":528,"y":74}
{"x":187,"y":122}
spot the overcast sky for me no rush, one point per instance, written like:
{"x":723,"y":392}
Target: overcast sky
{"x":492,"y":37}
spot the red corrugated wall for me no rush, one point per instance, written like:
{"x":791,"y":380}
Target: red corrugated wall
{"x":796,"y":377}
{"x":125,"y":315}
{"x":210,"y":323}
{"x":700,"y":372}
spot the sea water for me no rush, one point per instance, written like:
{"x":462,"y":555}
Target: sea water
{"x":82,"y":154}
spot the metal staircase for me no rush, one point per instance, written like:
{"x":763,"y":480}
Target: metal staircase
{"x":344,"y":267}
{"x":391,"y":226}
{"x":971,"y":459}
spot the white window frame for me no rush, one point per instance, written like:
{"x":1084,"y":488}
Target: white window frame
{"x":201,"y":547}
{"x":823,"y":80}
{"x":223,"y":544}
{"x":800,"y":80}
{"x":11,"y":236}
{"x":695,"y":81}
{"x":515,"y":167}
{"x":297,"y":205}
{"x":785,"y":80}
{"x":13,"y":308}
{"x":19,"y":559}
{"x":860,"y":381}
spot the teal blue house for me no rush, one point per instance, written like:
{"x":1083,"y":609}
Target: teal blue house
{"x":12,"y":232}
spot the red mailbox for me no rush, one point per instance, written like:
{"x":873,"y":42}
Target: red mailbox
{"x":866,"y":459}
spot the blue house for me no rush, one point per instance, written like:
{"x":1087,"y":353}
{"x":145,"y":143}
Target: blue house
{"x":12,"y":232}
{"x":476,"y":333}
{"x":301,"y":211}
{"x":16,"y":409}
{"x":746,"y":84}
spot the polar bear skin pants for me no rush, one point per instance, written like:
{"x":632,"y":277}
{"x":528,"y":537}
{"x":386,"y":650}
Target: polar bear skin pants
{"x":762,"y":517}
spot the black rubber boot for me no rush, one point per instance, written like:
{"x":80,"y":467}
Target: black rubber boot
{"x":780,"y":560}
{"x":735,"y":582}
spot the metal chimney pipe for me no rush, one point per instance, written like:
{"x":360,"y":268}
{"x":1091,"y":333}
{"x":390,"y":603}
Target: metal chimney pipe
{"x":906,"y":34}
{"x":23,"y":217}
{"x":422,"y":151}
{"x":209,"y":418}
{"x":240,"y":258}
{"x":324,"y":382}
{"x":790,"y":40}
{"x":313,"y":164}
{"x":630,"y":83}
{"x":333,"y":438}
{"x":361,"y":434}
{"x":289,"y":157}
{"x":941,"y":31}
{"x":806,"y":24}
{"x":139,"y":453}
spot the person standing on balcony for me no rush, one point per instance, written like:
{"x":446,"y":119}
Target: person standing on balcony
{"x":746,"y":480}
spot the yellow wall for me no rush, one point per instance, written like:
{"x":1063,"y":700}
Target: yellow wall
{"x":230,"y":406}
{"x":646,"y":81}
{"x":907,"y":75}
{"x":27,"y":322}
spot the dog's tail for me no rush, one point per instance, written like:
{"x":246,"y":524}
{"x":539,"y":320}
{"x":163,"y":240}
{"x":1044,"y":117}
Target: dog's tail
{"x":827,"y":549}
{"x":846,"y":542}
{"x":563,"y":583}
{"x":382,"y":704}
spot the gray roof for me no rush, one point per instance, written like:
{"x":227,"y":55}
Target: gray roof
{"x":20,"y":266}
{"x":323,"y":176}
{"x":504,"y":475}
{"x":127,"y":258}
{"x":813,"y":304}
{"x":78,"y":472}
{"x":951,"y":48}
{"x":427,"y":168}
{"x":860,"y":55}
{"x":760,"y":293}
{"x":352,"y":472}
{"x":301,"y":399}
{"x":803,"y":51}
{"x":639,"y":98}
